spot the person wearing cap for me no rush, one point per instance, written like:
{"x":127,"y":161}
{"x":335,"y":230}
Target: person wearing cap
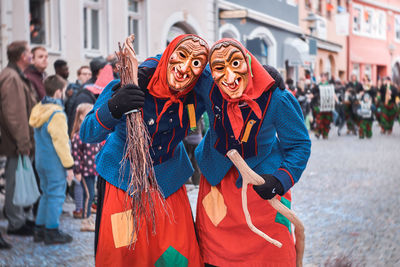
{"x":250,"y":111}
{"x":170,"y":108}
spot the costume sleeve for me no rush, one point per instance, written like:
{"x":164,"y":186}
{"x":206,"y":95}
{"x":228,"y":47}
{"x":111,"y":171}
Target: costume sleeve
{"x":58,"y":130}
{"x":77,"y":154}
{"x":293,"y":137}
{"x":16,"y":118}
{"x":99,"y":122}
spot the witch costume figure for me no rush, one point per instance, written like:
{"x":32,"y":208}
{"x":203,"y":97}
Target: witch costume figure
{"x":170,"y":107}
{"x":250,"y":113}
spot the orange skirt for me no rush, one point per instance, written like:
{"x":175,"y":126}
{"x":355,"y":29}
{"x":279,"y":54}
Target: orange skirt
{"x":174,"y":243}
{"x":224,"y":237}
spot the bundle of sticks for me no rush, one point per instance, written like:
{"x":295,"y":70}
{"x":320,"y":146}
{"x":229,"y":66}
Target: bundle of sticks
{"x":143,"y":188}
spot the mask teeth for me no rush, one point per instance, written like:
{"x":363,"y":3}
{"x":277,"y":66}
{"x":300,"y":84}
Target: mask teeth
{"x":237,"y":82}
{"x":184,"y":76}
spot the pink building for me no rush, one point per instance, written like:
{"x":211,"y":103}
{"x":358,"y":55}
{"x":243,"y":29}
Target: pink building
{"x":318,"y":19}
{"x":374,"y":39}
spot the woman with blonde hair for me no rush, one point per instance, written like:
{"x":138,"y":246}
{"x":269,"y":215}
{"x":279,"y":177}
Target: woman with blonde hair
{"x":84,"y":166}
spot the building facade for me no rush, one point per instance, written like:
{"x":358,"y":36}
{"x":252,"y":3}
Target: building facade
{"x":320,"y":20}
{"x":374,"y":40}
{"x":80,"y":30}
{"x":269,"y":29}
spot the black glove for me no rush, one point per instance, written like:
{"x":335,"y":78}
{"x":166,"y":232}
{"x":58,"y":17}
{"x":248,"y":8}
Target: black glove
{"x":270,"y":188}
{"x":125,"y":99}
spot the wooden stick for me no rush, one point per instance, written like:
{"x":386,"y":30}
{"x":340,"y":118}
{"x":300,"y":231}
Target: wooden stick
{"x":250,"y":177}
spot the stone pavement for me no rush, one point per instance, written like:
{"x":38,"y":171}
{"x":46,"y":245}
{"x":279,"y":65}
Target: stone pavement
{"x":348,"y":199}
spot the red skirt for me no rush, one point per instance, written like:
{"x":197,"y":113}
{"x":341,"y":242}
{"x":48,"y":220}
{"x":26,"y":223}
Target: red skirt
{"x":224,"y":237}
{"x":174,"y":243}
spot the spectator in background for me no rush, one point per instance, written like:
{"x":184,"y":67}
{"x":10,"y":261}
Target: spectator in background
{"x":94,"y":86}
{"x":95,"y":66}
{"x":84,"y":166}
{"x":54,"y":162}
{"x":290,"y":86}
{"x":36,"y":72}
{"x":84,"y":74}
{"x":17,"y":100}
{"x":61,"y":68}
{"x":112,"y":60}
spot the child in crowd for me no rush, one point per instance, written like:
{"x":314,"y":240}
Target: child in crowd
{"x":84,"y":167}
{"x":53,"y":161}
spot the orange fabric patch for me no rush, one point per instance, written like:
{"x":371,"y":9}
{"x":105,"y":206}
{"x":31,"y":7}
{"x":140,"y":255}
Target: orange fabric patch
{"x":122,"y":228}
{"x":214,"y":206}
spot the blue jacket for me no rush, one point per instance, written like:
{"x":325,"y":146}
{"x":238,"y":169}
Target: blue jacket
{"x":171,"y":164}
{"x":277,"y":144}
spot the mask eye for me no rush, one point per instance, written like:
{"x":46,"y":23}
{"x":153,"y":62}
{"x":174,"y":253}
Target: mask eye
{"x":236,"y":63}
{"x":182,"y":55}
{"x":196,"y":63}
{"x":219,"y":68}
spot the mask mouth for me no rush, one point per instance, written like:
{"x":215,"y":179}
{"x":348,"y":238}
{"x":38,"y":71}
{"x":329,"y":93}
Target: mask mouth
{"x":179,"y":76}
{"x":232,"y":86}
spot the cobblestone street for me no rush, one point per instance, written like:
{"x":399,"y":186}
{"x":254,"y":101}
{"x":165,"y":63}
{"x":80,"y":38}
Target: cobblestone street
{"x":348,"y":199}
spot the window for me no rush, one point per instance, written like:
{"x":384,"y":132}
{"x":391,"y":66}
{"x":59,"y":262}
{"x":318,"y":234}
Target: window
{"x":38,"y":24}
{"x":136,"y":24}
{"x":44,"y":23}
{"x":368,"y":71}
{"x":381,"y":33}
{"x":357,"y":11}
{"x":91,"y":25}
{"x":308,"y":4}
{"x":356,"y":70}
{"x":367,"y":21}
{"x":133,"y":21}
{"x":259,"y":49}
{"x":319,"y":8}
{"x":397,"y":27}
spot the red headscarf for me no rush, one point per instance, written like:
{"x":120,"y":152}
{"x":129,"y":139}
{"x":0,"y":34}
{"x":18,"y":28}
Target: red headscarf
{"x":259,"y":81}
{"x":158,"y":85}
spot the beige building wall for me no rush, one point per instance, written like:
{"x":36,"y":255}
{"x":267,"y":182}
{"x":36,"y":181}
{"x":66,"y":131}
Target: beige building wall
{"x":156,"y":17}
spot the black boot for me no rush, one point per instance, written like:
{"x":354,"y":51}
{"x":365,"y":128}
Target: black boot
{"x":38,"y":233}
{"x":4,"y":244}
{"x":55,"y":236}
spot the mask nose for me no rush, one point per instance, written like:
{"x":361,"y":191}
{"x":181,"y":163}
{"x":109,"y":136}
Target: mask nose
{"x":185,"y":65}
{"x":230,"y":76}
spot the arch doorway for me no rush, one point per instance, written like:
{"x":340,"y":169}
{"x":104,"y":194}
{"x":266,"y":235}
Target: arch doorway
{"x":177,"y":29}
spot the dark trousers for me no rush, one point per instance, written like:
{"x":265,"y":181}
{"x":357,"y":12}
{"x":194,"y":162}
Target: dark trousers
{"x":101,"y":188}
{"x":190,"y":150}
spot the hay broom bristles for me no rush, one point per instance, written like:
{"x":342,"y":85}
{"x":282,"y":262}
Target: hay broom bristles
{"x":143,"y":189}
